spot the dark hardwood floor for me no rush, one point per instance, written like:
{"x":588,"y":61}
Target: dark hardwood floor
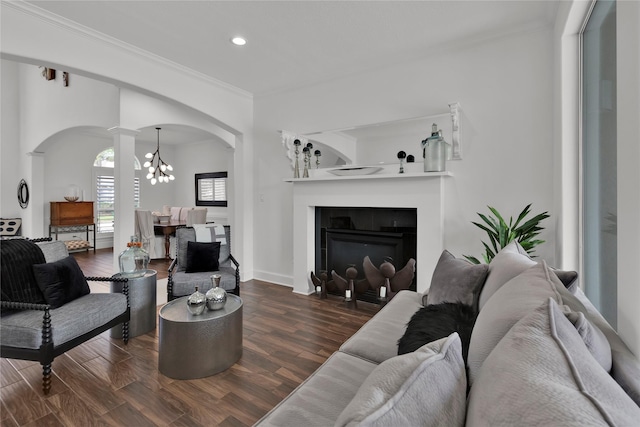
{"x":105,"y":383}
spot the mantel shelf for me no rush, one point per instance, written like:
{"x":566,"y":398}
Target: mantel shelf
{"x":328,"y":177}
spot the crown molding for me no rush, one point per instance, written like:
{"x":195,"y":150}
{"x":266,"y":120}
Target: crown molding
{"x":84,"y":31}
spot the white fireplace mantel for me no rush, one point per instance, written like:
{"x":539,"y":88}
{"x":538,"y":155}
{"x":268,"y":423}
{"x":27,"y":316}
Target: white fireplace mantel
{"x":422,"y":191}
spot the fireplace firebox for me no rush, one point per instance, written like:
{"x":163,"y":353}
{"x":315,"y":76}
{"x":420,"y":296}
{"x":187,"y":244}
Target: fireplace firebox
{"x":346,"y":235}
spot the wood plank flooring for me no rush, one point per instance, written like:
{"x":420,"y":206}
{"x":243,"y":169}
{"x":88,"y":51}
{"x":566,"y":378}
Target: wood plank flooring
{"x":105,"y":383}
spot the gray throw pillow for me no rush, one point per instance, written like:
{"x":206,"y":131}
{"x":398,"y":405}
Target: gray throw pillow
{"x":426,"y":388}
{"x":541,"y":374}
{"x":593,"y":338}
{"x":511,"y":302}
{"x":515,"y":300}
{"x":507,"y":264}
{"x":455,"y":280}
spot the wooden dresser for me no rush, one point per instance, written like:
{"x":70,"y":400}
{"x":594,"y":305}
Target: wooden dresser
{"x":73,"y":217}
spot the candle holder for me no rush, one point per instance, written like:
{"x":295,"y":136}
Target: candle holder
{"x":383,"y":293}
{"x":350,"y":296}
{"x":296,"y":168}
{"x":307,"y":160}
{"x":320,"y":283}
{"x":402,"y":155}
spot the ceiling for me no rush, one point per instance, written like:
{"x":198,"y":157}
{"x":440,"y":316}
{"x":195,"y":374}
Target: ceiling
{"x":291,"y":44}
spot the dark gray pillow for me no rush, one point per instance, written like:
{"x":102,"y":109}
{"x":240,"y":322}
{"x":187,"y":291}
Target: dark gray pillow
{"x":455,"y":280}
{"x":202,"y":256}
{"x":61,"y":281}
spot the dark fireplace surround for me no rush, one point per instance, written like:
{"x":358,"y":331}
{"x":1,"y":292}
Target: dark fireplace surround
{"x":345,"y":235}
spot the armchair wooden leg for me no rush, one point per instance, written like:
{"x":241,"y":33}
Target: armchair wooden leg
{"x":125,"y":332}
{"x":46,"y":378}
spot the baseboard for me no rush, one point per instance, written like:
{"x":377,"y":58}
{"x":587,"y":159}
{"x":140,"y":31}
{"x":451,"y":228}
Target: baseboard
{"x":278,"y":279}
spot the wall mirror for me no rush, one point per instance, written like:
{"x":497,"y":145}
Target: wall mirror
{"x":211,"y":189}
{"x":378,"y":143}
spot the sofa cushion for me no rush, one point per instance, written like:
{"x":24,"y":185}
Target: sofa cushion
{"x":426,"y":387}
{"x":377,"y":340}
{"x":53,"y":250}
{"x":455,"y":280}
{"x":593,"y":338}
{"x":61,"y":281}
{"x":625,"y":365}
{"x":507,"y":264}
{"x":510,"y":303}
{"x":542,"y":374}
{"x":202,"y":257}
{"x":320,"y":399}
{"x":438,"y":321}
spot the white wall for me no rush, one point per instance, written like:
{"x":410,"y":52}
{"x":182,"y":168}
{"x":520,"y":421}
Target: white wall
{"x":505,"y":89}
{"x":9,"y":141}
{"x":203,"y":157}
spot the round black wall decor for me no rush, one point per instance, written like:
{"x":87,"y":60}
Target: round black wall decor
{"x":23,"y":194}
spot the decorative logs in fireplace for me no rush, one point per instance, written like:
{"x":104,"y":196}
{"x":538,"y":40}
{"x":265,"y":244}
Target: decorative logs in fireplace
{"x":385,"y":281}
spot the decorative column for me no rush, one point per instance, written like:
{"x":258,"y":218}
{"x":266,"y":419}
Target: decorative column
{"x":124,"y":143}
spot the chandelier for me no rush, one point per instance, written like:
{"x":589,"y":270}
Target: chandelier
{"x":161,"y":167}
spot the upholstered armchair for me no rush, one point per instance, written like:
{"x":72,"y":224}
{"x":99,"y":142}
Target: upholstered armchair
{"x":195,"y":263}
{"x":47,"y":307}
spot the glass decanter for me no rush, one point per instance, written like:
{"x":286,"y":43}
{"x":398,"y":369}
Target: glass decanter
{"x":134,"y":260}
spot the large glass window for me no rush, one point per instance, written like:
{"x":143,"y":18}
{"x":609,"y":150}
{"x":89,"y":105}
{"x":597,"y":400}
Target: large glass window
{"x":105,"y":190}
{"x":599,"y":169}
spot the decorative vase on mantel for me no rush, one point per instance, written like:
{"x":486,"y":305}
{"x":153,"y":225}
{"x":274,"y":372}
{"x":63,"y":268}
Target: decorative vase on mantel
{"x":196,"y":303}
{"x":216,"y":296}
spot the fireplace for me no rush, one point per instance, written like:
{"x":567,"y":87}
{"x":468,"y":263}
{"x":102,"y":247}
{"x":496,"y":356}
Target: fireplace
{"x":422,"y":193}
{"x":347,"y":235}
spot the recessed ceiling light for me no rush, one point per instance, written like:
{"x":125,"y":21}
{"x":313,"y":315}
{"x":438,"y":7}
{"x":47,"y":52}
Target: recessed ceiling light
{"x":238,"y":41}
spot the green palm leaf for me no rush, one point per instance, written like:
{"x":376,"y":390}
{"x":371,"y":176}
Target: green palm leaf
{"x":501,"y":234}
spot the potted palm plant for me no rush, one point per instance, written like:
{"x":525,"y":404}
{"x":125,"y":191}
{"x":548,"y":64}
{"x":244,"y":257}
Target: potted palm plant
{"x":524,"y":231}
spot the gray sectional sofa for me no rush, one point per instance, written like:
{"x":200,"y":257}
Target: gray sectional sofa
{"x":539,"y":354}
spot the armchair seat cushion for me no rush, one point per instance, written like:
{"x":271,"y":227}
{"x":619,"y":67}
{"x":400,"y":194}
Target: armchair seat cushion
{"x":82,"y":315}
{"x":185,"y":283}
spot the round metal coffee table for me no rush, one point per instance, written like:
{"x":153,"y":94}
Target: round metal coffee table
{"x":199,"y":346}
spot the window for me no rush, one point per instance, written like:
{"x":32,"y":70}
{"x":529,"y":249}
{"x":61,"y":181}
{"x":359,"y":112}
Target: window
{"x":105,"y":190}
{"x":211,"y":189}
{"x":106,"y":160}
{"x":599,"y":159}
{"x":105,"y":201}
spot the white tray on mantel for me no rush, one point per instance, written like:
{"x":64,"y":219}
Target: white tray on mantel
{"x":358,"y":170}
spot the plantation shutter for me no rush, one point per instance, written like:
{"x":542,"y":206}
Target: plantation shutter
{"x":105,"y":201}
